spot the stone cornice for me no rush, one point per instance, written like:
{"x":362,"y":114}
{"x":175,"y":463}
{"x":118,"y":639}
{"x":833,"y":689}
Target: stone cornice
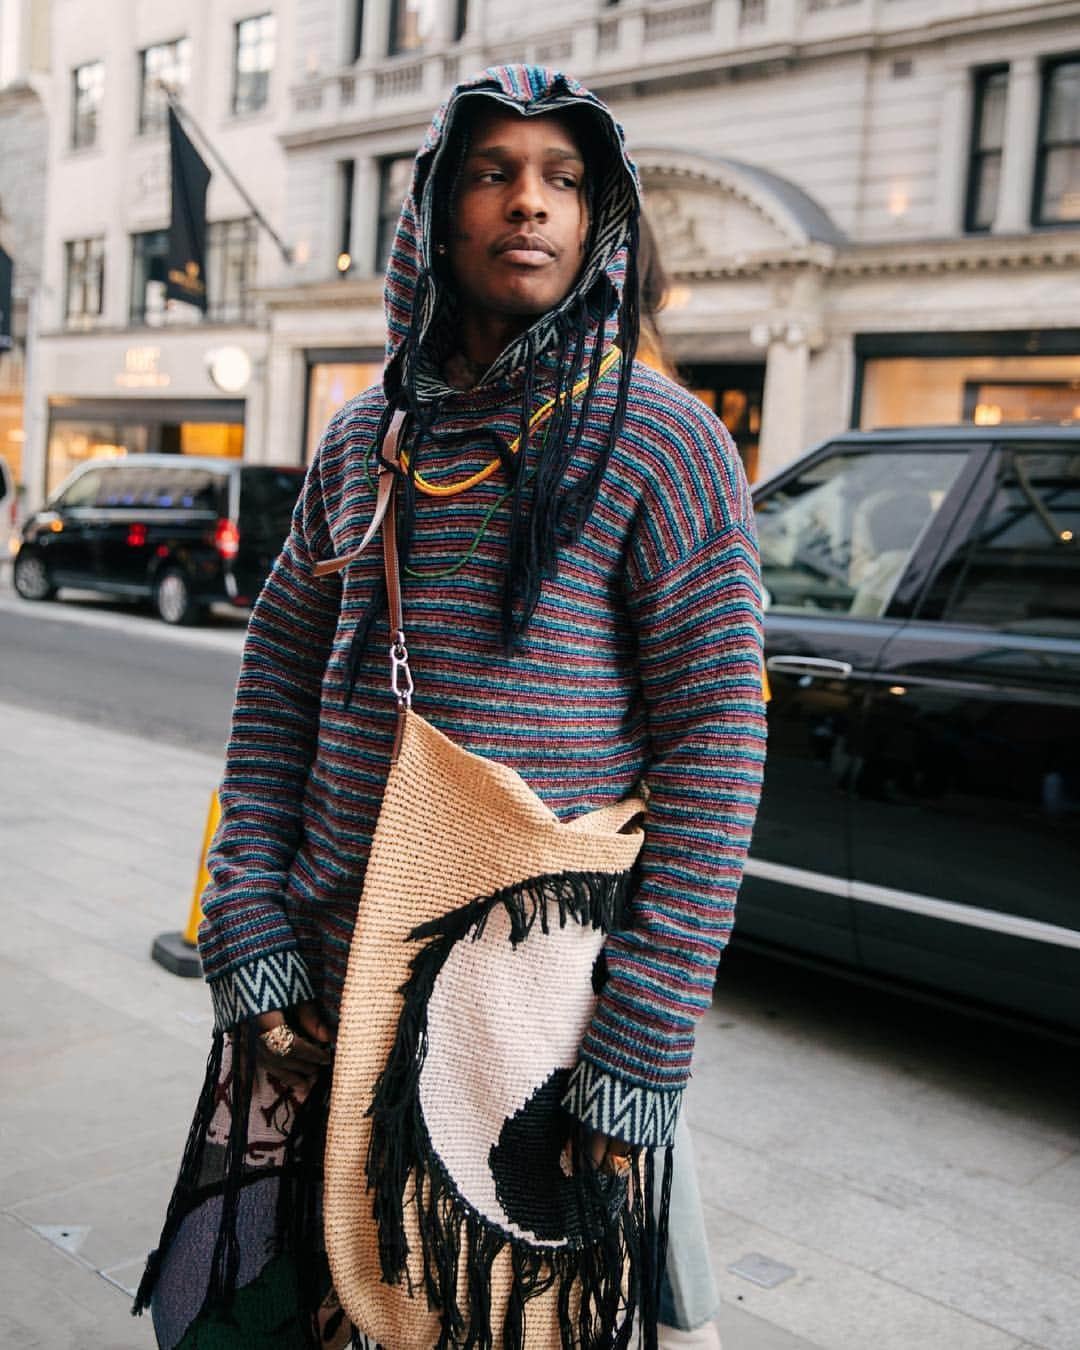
{"x":348,"y":294}
{"x":1043,"y":251}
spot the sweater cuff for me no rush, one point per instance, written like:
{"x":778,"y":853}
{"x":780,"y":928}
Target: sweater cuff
{"x":626,"y":1111}
{"x":264,"y":984}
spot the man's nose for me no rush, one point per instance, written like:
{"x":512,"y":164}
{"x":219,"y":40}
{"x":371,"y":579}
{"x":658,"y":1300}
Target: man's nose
{"x":527,"y":201}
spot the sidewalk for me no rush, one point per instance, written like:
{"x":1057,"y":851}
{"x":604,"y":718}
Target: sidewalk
{"x":898,"y":1209}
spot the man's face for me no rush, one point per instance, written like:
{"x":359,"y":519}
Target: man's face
{"x":519,"y":220}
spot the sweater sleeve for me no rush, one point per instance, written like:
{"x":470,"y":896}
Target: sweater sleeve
{"x":695,"y":604}
{"x":249,"y":952}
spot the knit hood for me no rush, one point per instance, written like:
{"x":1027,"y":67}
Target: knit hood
{"x":420,"y":304}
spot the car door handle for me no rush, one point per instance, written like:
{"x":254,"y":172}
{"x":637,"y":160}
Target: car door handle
{"x":814,"y":666}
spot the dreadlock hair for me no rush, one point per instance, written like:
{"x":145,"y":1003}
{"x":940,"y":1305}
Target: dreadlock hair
{"x":551,"y":513}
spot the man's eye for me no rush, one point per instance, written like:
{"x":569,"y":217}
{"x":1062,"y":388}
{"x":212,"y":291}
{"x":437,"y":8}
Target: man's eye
{"x":490,"y":176}
{"x":565,"y":180}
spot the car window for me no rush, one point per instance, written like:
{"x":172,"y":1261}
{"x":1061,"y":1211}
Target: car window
{"x":83,"y":492}
{"x":267,"y":498}
{"x":839,"y":535}
{"x":1018,"y":570}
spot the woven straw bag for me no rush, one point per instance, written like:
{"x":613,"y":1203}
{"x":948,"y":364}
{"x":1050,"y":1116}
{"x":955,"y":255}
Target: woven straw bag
{"x":453,"y":1214}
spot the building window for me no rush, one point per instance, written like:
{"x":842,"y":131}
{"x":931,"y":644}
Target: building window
{"x":1057,"y":170}
{"x":84,"y":287}
{"x":231,"y":256}
{"x":167,"y":63}
{"x":356,"y":45}
{"x":346,"y":190}
{"x":149,"y":257}
{"x":252,"y":63}
{"x":988,"y":126}
{"x":87,"y":96}
{"x":395,"y":176}
{"x":412,"y":24}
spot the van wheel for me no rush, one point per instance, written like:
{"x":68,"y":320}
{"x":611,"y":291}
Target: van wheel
{"x":31,"y":578}
{"x":173,"y":599}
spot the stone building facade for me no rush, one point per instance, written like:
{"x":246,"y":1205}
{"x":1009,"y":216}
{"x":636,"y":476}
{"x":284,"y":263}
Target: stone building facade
{"x":870,"y":208}
{"x":23,"y":156}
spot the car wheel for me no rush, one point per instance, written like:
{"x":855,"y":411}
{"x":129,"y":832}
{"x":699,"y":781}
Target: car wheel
{"x":32,"y":579}
{"x":173,"y":599}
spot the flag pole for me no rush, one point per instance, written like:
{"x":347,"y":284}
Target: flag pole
{"x":185,"y":116}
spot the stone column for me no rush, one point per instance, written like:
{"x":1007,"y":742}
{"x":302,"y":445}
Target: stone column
{"x":783,"y":402}
{"x":954,"y":138}
{"x":1013,"y":214}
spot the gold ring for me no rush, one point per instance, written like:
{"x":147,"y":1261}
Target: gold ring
{"x":278,"y":1040}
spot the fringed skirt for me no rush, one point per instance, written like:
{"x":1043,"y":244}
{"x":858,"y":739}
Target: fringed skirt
{"x":241,"y":1263}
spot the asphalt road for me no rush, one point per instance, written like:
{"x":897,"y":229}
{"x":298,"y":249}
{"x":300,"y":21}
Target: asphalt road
{"x":120,"y":667}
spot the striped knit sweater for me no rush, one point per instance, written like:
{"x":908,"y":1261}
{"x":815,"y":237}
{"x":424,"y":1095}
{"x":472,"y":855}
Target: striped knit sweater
{"x":642,"y":660}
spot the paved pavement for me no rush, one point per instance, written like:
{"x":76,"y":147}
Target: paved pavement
{"x":909,"y":1179}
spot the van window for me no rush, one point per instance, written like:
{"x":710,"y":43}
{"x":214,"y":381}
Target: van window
{"x":267,"y":498}
{"x":83,"y":492}
{"x":1018,"y":571}
{"x":157,"y":487}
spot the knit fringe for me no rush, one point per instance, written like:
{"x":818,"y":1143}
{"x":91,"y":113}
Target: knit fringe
{"x":298,"y":1216}
{"x":606,"y":1276}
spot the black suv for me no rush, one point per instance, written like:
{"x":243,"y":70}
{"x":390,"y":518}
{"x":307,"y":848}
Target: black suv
{"x":183,"y":531}
{"x":921,"y":811}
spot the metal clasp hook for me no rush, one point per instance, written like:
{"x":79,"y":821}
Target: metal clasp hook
{"x":401,"y":680}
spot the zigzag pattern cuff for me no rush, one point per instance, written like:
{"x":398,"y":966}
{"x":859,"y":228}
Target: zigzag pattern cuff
{"x":263,"y":985}
{"x":628,"y":1111}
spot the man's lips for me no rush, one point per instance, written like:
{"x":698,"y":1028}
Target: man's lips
{"x":530,"y":250}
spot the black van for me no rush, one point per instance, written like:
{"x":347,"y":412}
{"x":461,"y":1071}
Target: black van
{"x":921,"y":812}
{"x":180,"y":530}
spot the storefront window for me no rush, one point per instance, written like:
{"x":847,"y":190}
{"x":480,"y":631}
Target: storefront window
{"x":73,"y":443}
{"x":11,"y":436}
{"x":734,"y":393}
{"x":330,"y":386}
{"x":987,"y":390}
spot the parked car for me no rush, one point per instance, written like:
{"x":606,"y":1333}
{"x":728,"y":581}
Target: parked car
{"x":180,"y":530}
{"x":921,"y":809}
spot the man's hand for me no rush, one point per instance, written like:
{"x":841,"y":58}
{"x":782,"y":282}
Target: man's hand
{"x":311,"y":1046}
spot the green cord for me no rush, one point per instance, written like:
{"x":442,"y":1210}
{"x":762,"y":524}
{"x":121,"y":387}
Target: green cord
{"x":441,"y":573}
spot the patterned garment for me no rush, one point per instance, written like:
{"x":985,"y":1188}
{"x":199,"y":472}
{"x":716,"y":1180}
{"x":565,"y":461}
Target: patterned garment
{"x":642,"y":660}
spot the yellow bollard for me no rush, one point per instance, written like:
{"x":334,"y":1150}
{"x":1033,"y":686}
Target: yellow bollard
{"x":179,"y":952}
{"x":202,"y":877}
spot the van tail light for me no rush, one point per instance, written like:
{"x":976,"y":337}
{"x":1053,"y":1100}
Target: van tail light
{"x":227,"y":539}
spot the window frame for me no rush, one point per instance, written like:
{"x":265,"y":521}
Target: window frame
{"x":386,"y":221}
{"x":84,"y":317}
{"x":137,"y":317}
{"x":1042,"y":149}
{"x":260,"y":41}
{"x":147,"y":124}
{"x":978,"y":154}
{"x":394,"y":47}
{"x":74,"y":141}
{"x":242,"y":230}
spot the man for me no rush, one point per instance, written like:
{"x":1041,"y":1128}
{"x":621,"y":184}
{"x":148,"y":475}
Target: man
{"x":580,"y":574}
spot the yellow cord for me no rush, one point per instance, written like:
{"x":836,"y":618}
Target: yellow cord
{"x":452,"y":489}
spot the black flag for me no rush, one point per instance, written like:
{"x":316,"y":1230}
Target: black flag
{"x":6,"y":319}
{"x":185,"y":274}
